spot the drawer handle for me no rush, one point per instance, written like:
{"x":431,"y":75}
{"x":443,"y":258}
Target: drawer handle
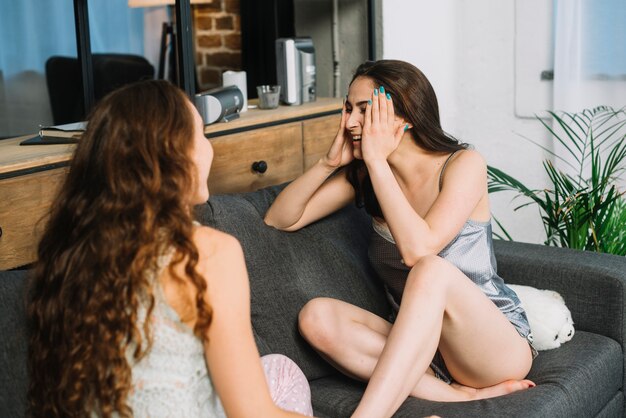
{"x":259,"y":166}
{"x":0,"y":232}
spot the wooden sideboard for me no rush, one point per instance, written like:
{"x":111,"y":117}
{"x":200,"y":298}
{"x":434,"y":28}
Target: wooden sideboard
{"x":259,"y":149}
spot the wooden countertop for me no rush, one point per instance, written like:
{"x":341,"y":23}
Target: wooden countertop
{"x":282,"y":114}
{"x":17,"y":160}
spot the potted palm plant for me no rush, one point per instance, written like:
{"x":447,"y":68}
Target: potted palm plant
{"x":583,"y":207}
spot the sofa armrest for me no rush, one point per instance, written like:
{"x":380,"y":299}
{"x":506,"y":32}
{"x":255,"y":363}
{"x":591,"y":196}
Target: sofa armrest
{"x":592,"y":284}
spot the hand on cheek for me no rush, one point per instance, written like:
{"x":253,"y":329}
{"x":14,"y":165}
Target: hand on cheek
{"x":382,"y":131}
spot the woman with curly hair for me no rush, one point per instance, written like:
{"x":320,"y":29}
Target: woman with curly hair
{"x":133,"y":308}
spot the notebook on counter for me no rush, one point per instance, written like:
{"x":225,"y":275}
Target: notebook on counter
{"x":69,"y":133}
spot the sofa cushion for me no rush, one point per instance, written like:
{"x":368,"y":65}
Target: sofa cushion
{"x":578,"y":379}
{"x":13,"y":344}
{"x":327,"y":258}
{"x":591,"y":283}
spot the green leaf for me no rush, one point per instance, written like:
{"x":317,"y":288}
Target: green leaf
{"x":584,"y":210}
{"x":506,"y":236}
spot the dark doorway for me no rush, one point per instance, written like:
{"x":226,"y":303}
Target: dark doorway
{"x":262,"y":22}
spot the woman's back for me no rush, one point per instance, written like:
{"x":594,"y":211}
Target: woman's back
{"x":172,"y":378}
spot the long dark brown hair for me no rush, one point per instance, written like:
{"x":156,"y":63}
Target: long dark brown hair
{"x":415,"y":101}
{"x":123,"y":203}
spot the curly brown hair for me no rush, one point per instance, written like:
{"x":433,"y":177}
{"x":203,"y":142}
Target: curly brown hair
{"x":122,"y":205}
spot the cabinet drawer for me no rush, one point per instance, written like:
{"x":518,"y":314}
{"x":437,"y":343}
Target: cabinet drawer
{"x":24,"y":205}
{"x":279,"y":147}
{"x":317,"y":136}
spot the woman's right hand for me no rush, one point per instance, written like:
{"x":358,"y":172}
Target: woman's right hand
{"x":340,"y":152}
{"x":316,"y":193}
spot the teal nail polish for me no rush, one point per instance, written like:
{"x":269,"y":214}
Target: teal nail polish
{"x":369,"y":102}
{"x":388,"y":96}
{"x":375,"y":92}
{"x":382,"y":89}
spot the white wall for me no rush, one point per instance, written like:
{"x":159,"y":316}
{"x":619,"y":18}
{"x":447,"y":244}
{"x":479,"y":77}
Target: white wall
{"x":467,"y":50}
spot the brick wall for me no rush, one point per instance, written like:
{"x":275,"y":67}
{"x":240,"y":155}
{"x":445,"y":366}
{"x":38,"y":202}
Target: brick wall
{"x":217,"y":27}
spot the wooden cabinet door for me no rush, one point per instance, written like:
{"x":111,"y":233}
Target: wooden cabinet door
{"x":24,"y":205}
{"x":317,"y":136}
{"x":279,"y":147}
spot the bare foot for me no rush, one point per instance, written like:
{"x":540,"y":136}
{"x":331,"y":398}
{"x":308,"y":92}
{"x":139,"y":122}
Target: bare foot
{"x":504,"y":388}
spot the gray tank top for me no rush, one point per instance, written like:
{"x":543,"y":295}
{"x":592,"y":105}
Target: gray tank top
{"x":471,"y":251}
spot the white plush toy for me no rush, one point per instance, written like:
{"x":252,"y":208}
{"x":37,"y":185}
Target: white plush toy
{"x":550,"y":320}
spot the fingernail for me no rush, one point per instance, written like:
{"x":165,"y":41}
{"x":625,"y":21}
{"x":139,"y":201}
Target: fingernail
{"x":388,"y":96}
{"x":382,"y":89}
{"x":369,"y":102}
{"x":406,"y":127}
{"x":375,"y":92}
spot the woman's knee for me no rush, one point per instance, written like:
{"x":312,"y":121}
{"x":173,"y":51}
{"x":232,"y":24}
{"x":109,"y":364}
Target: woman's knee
{"x":430,"y":270}
{"x":317,"y":322}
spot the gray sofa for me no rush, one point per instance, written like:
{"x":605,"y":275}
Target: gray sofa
{"x":583,"y":378}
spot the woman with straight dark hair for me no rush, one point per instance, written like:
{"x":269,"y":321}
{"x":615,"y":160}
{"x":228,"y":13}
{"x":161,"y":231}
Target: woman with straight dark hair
{"x":134,"y":309}
{"x":457,"y":331}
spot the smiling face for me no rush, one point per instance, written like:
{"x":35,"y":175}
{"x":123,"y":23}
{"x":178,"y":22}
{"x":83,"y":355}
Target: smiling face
{"x":359,"y":93}
{"x":202,"y":157}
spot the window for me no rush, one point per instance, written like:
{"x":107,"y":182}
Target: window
{"x":31,"y":31}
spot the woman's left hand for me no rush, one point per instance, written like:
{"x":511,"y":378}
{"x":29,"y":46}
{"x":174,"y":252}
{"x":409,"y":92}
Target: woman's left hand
{"x":382,"y":132}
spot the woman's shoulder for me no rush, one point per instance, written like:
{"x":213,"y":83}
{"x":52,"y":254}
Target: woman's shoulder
{"x":221,"y":262}
{"x":463,"y":169}
{"x":469,"y":156}
{"x":467,"y":159}
{"x":212,"y":243}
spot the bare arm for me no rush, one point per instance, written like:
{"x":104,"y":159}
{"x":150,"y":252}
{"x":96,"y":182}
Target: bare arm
{"x":313,"y":195}
{"x":309,"y":198}
{"x":463,"y":189}
{"x":465,"y":185}
{"x":231,"y":353}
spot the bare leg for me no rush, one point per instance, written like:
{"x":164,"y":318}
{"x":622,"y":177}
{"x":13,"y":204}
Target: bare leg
{"x":480,"y":346}
{"x":352,"y":339}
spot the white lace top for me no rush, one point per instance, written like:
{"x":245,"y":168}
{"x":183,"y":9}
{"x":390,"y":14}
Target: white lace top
{"x":172,"y":379}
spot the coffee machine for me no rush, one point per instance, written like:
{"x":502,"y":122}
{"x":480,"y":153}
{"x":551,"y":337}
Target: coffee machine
{"x":295,"y":67}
